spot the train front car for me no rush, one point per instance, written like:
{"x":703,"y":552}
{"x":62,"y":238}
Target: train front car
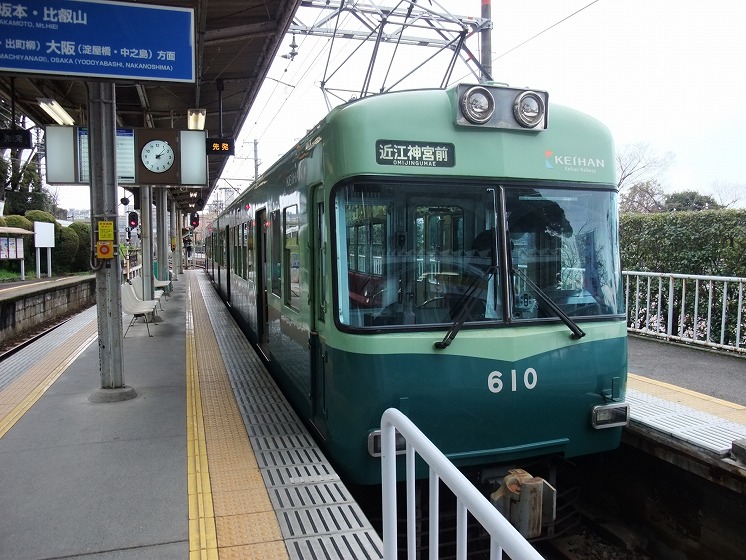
{"x":473,"y":254}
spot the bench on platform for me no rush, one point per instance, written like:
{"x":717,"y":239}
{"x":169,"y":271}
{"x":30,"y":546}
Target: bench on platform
{"x":164,"y":285}
{"x":137,"y":285}
{"x":132,"y":305}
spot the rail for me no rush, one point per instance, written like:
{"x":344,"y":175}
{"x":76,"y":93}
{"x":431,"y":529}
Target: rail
{"x":703,"y":310}
{"x":468,"y":499}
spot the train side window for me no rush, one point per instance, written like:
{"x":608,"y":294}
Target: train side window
{"x":275,"y":256}
{"x":249,"y":232}
{"x":291,"y":261}
{"x":236,"y":242}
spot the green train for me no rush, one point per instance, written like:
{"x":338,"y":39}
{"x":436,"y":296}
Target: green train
{"x":453,"y":253}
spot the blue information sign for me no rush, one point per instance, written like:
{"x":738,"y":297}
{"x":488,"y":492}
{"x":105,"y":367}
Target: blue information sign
{"x":97,"y":39}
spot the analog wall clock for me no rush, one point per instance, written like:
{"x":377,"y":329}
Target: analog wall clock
{"x":157,"y":156}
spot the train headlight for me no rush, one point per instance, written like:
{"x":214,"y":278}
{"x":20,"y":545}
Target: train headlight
{"x":477,"y":105}
{"x":610,"y":415}
{"x":529,"y":109}
{"x":374,"y":443}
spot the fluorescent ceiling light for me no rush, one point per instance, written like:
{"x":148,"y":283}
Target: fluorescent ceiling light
{"x":196,"y":119}
{"x":56,"y":111}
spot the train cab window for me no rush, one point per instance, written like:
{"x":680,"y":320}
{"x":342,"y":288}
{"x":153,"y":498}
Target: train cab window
{"x":291,"y":272}
{"x":405,"y":256}
{"x":562,"y":247}
{"x":275,"y":265}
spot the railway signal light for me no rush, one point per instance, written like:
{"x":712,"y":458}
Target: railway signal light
{"x":133,"y":220}
{"x":194,"y":219}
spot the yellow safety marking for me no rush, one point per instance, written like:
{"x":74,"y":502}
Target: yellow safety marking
{"x":698,"y":401}
{"x":20,"y":395}
{"x":245,"y":522}
{"x":202,"y":535}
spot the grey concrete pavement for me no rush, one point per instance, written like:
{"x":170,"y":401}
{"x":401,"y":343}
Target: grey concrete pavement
{"x":709,"y":372}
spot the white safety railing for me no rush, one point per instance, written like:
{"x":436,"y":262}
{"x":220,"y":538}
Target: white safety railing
{"x":703,"y":310}
{"x":503,"y":536}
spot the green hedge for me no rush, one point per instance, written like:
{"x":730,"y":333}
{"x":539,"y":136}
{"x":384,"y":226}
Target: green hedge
{"x":710,"y":242}
{"x":71,"y":253}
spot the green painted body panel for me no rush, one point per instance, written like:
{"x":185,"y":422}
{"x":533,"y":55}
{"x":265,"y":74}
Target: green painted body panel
{"x":575,"y":147}
{"x":546,"y":410}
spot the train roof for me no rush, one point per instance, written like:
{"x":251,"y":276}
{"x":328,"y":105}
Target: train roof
{"x":573,"y":147}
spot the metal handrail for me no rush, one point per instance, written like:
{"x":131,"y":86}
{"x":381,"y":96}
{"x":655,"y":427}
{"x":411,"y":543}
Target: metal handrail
{"x":468,"y":499}
{"x":696,"y":309}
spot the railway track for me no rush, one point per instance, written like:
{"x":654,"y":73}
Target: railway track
{"x":620,"y":505}
{"x":14,"y":344}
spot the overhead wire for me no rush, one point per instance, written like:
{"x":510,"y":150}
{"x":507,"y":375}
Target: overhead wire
{"x":311,"y":60}
{"x":555,"y":24}
{"x":305,"y":68}
{"x":272,"y":96}
{"x":545,"y":30}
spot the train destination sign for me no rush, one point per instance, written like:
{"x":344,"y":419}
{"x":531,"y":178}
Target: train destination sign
{"x":415,"y":154}
{"x":96,"y":39}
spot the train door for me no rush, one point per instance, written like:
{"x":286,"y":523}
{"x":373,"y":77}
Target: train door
{"x":318,"y":307}
{"x":218,"y":255}
{"x":262,"y":304}
{"x":228,"y":248}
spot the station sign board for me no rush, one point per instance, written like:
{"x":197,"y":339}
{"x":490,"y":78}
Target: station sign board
{"x":98,"y":39}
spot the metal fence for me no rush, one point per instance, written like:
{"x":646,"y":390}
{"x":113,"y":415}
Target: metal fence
{"x":468,"y":499}
{"x":703,"y":310}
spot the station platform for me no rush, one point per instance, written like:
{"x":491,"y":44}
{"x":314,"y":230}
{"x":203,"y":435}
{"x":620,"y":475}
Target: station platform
{"x":209,"y":460}
{"x":696,"y":431}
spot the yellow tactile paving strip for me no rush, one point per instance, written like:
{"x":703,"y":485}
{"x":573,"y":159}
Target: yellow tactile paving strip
{"x":230,"y":514}
{"x":20,"y":395}
{"x":704,"y":403}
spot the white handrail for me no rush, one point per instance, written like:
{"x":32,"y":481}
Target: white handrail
{"x":704,"y":310}
{"x":468,"y":499}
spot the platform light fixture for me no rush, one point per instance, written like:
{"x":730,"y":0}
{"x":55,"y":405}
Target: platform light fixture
{"x":55,"y":110}
{"x":196,"y":119}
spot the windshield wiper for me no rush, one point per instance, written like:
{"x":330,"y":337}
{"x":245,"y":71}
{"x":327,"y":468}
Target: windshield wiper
{"x":577,"y":332}
{"x":464,"y":306}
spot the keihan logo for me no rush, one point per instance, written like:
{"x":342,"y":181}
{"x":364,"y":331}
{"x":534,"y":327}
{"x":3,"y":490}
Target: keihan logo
{"x":573,"y":163}
{"x":547,"y":161}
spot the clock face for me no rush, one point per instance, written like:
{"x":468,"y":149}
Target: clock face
{"x":157,"y":156}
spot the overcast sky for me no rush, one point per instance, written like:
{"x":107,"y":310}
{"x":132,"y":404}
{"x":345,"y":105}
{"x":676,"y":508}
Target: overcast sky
{"x":667,"y":74}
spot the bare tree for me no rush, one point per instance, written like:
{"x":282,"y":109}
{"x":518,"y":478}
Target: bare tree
{"x":728,"y":194}
{"x":639,"y":164}
{"x":644,"y":197}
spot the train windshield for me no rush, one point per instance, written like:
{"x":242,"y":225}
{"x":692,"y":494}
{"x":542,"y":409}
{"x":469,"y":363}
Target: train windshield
{"x":423,"y":255}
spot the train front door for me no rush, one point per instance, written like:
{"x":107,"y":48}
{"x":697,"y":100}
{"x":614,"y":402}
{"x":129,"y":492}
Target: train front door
{"x":262,"y":311}
{"x":318,"y":308}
